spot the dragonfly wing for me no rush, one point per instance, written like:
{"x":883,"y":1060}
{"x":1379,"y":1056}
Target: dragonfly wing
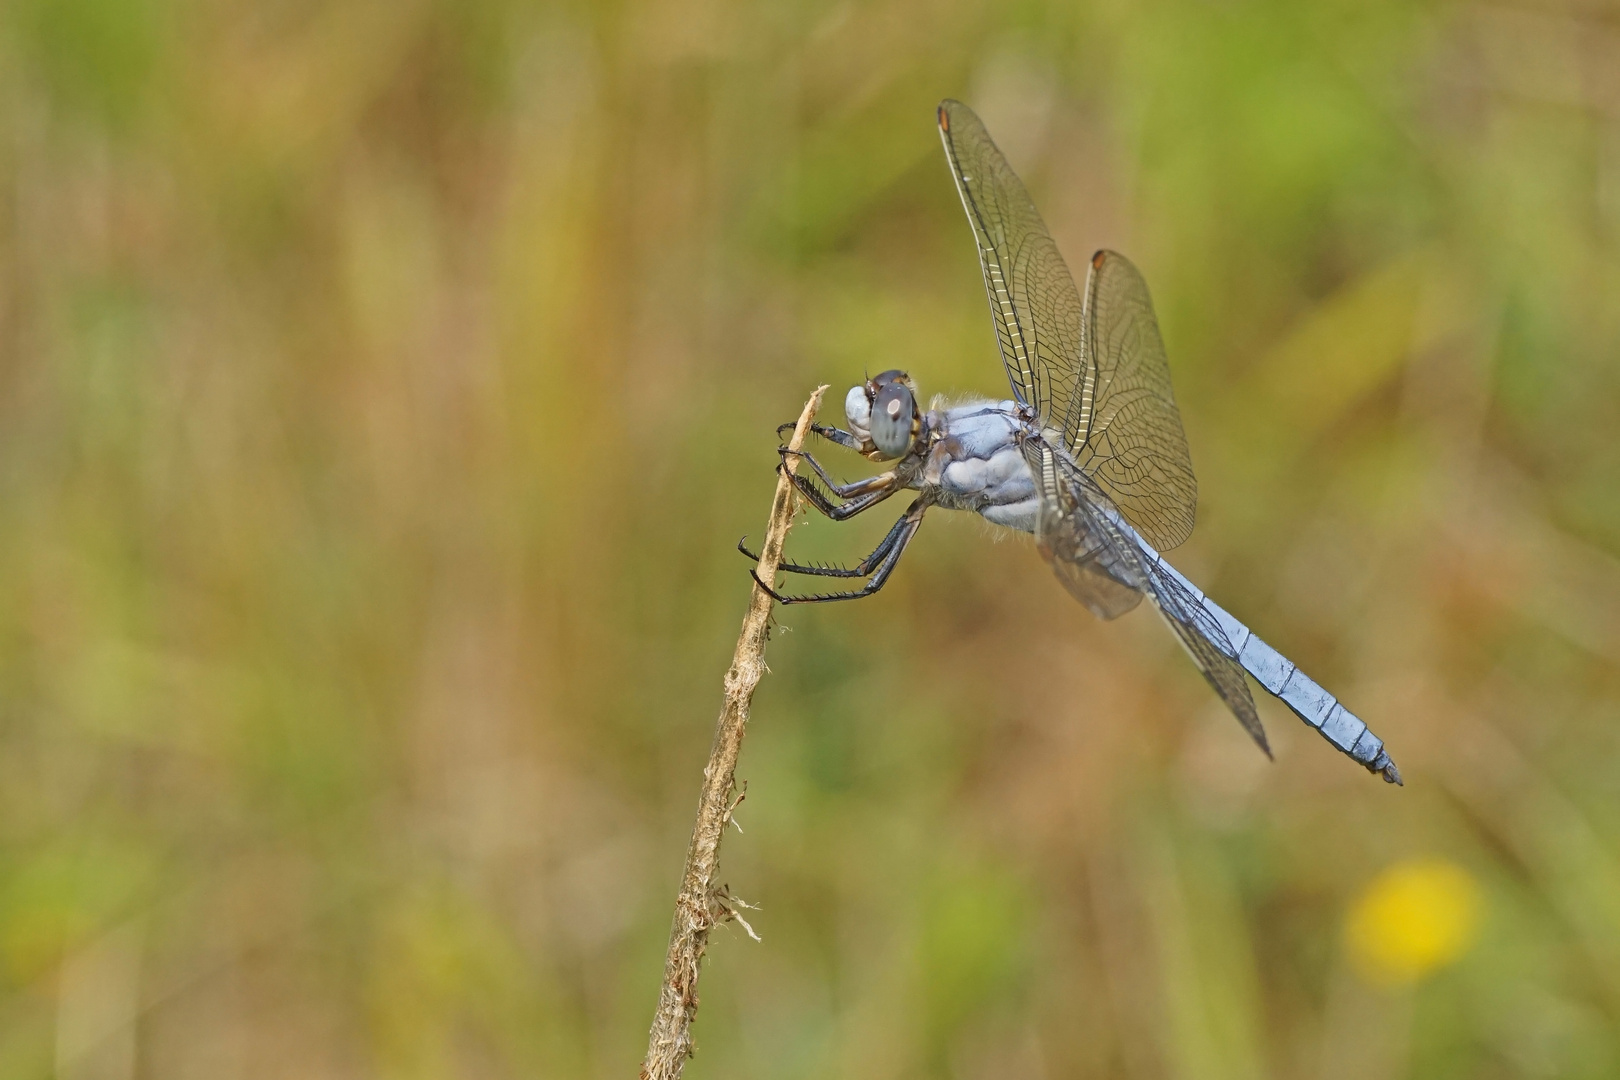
{"x":1081,"y":545}
{"x":1094,"y":369}
{"x":1033,"y":301}
{"x":1209,"y":647}
{"x":1104,"y":565}
{"x":1090,"y":582}
{"x":1122,"y":425}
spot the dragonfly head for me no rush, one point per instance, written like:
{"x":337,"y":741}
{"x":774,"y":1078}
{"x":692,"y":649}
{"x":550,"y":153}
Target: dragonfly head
{"x":883,"y":413}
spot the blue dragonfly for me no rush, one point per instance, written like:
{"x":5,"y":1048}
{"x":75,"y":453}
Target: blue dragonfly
{"x":1088,"y":454}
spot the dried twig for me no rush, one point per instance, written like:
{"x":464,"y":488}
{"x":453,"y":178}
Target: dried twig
{"x":701,"y":903}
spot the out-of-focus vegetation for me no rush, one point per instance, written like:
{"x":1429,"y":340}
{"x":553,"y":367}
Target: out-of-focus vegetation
{"x":383,"y":386}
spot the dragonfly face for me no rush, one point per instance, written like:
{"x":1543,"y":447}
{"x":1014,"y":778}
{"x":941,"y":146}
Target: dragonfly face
{"x":1088,"y":454}
{"x":883,"y":414}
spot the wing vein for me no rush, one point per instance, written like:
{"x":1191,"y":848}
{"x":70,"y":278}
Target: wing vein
{"x":1093,"y":368}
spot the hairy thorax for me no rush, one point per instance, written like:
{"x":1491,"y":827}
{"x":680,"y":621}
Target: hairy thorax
{"x":976,"y":464}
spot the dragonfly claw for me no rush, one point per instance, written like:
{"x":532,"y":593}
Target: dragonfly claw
{"x":774,"y":595}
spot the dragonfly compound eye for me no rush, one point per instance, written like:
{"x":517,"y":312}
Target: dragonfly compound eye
{"x":858,"y":411}
{"x":894,"y":419}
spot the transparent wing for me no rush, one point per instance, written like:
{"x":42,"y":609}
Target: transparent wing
{"x":1090,"y":581}
{"x":1085,"y":552}
{"x":1094,"y":370}
{"x":1122,"y":424}
{"x":1207,"y":644}
{"x":1106,"y":568}
{"x":1033,"y":302}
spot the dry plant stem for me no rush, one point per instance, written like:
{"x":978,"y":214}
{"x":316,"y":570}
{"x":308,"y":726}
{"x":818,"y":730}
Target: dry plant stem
{"x":701,"y":903}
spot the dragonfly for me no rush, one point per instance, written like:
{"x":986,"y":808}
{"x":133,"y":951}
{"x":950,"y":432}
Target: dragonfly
{"x":1088,"y":454}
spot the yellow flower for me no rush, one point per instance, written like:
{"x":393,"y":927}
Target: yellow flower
{"x":1412,"y":919}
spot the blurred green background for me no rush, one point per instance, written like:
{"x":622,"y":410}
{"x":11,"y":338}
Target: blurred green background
{"x":384,"y":385}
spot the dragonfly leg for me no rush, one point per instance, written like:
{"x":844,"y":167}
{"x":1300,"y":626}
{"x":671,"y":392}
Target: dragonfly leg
{"x":860,"y":569}
{"x":843,"y":491}
{"x":862,"y":495}
{"x":904,"y":530}
{"x":831,"y":434}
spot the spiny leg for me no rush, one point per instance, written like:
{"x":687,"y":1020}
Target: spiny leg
{"x":862,"y":496}
{"x":906,"y":529}
{"x":831,"y":434}
{"x":860,"y":569}
{"x":843,"y":491}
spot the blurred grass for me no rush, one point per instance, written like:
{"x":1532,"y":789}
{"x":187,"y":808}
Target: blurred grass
{"x":383,"y":387}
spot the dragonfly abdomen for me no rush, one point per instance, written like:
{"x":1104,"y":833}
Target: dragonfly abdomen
{"x":1309,"y":701}
{"x":1283,"y":680}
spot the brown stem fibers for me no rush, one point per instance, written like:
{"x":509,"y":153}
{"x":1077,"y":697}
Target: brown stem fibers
{"x":701,"y":902}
